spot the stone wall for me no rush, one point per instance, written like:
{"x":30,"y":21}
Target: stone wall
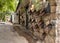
{"x":58,"y":22}
{"x":40,"y":26}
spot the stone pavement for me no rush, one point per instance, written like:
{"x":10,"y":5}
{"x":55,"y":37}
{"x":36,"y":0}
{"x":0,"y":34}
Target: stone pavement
{"x":50,"y":38}
{"x":7,"y":35}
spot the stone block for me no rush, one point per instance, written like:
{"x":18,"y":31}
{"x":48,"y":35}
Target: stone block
{"x":52,"y":2}
{"x":49,"y":39}
{"x":53,"y":9}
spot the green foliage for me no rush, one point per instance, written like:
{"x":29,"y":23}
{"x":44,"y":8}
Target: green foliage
{"x":37,"y":4}
{"x":2,"y":16}
{"x":7,"y":6}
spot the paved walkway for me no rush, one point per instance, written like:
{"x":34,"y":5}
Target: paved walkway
{"x":8,"y":36}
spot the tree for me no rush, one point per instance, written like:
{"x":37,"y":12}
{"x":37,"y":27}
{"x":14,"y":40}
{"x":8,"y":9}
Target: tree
{"x":7,"y":6}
